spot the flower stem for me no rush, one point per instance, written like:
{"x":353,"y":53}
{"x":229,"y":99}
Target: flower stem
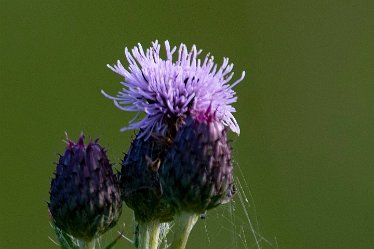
{"x":184,"y":223}
{"x":149,"y":233}
{"x":87,"y":245}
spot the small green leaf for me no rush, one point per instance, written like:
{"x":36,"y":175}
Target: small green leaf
{"x":66,"y":240}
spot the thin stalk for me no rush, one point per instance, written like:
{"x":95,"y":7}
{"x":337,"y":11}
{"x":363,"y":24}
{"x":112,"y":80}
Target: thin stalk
{"x":184,"y":223}
{"x":87,"y":245}
{"x":149,"y":234}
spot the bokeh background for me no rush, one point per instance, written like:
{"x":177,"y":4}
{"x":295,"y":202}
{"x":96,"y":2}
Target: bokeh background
{"x":305,"y":108}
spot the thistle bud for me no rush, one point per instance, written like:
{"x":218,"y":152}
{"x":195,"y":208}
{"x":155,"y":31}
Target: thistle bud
{"x":140,"y":180}
{"x":85,"y":196}
{"x":197,"y":171}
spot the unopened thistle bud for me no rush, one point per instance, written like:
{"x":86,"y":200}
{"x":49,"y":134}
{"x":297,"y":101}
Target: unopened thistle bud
{"x":85,"y":196}
{"x":197,"y":170}
{"x":140,"y":180}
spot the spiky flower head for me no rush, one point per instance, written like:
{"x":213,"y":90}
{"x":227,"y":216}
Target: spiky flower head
{"x":140,"y":180}
{"x":85,"y":195}
{"x":197,"y":170}
{"x":168,"y":90}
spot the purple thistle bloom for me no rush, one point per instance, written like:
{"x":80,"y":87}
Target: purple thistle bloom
{"x":168,"y":90}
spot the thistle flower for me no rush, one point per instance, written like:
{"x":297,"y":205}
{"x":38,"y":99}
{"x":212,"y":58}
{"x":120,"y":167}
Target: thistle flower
{"x":188,"y":102}
{"x":85,"y":196}
{"x":168,"y":90}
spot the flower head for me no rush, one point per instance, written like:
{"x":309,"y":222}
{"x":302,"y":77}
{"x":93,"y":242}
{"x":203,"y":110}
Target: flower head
{"x":197,"y":171}
{"x":85,"y":196}
{"x":140,"y":180}
{"x":167,"y":90}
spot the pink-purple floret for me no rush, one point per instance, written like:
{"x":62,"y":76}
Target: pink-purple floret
{"x":165,"y":89}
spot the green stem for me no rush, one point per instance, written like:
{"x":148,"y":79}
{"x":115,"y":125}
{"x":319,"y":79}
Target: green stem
{"x":87,"y":245}
{"x":149,"y":233}
{"x":184,"y":223}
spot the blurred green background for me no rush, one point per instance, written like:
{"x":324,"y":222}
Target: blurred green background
{"x":306,"y":110}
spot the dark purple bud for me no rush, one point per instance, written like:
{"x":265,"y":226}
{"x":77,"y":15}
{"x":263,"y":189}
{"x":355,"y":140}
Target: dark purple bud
{"x":85,"y":195}
{"x":140,"y":180}
{"x":197,"y":170}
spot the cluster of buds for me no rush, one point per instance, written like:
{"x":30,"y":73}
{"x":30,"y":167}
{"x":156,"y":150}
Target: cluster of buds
{"x":178,"y":166}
